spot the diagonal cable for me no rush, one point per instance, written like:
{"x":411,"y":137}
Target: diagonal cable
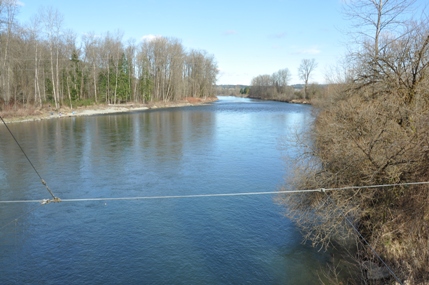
{"x":38,"y":174}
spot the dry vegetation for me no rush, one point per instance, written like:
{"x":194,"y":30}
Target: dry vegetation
{"x":372,"y":130}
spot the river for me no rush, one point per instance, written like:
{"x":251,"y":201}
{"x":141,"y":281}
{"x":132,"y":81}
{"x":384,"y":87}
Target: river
{"x":230,"y":146}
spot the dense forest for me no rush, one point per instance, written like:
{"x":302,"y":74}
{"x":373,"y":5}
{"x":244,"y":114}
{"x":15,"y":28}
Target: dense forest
{"x":42,"y":62}
{"x":372,"y":131}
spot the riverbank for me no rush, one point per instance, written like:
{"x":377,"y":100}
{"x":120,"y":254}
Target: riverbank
{"x":291,"y":101}
{"x":45,"y":113}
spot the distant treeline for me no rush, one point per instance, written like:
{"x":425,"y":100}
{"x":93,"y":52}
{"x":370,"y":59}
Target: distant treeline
{"x":278,"y":93}
{"x":42,"y":62}
{"x":276,"y":86}
{"x":273,"y":86}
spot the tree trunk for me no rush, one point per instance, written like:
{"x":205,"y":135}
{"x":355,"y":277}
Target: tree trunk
{"x":95,"y":83}
{"x":53,"y":77}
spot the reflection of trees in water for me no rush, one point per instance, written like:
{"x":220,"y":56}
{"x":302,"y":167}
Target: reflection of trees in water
{"x":171,"y":131}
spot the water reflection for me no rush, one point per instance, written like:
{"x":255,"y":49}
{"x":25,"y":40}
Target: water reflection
{"x":229,"y":146}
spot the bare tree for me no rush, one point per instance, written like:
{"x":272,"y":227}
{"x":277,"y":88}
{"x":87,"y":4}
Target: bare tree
{"x":196,"y":63}
{"x":144,"y":73}
{"x":118,"y":49}
{"x":130,"y":53}
{"x":282,"y":77}
{"x":372,"y":17}
{"x":173,"y":69}
{"x":8,"y":10}
{"x":52,"y":21}
{"x":91,"y":46}
{"x":305,"y":69}
{"x":34,"y":31}
{"x":403,"y":64}
{"x":72,"y":73}
{"x":373,"y":133}
{"x":377,"y":23}
{"x":281,"y":80}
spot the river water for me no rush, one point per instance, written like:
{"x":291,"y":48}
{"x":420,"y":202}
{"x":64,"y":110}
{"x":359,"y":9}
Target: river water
{"x":230,"y":146}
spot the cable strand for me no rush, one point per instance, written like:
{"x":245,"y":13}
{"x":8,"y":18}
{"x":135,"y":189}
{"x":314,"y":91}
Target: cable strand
{"x":46,"y":201}
{"x":32,"y":165}
{"x":19,"y":217}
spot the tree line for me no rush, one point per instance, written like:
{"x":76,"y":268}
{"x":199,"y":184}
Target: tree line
{"x":372,"y":129}
{"x":275,"y":86}
{"x":271,"y":86}
{"x":42,"y":62}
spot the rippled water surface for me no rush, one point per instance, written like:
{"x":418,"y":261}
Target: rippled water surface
{"x":229,"y":146}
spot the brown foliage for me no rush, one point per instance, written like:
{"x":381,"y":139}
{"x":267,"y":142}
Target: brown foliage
{"x":366,"y":142}
{"x":374,"y":130}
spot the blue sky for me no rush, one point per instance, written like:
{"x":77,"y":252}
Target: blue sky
{"x":247,"y":38}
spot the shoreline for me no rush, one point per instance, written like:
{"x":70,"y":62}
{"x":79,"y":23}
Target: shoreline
{"x":101,"y":109}
{"x":292,"y":101}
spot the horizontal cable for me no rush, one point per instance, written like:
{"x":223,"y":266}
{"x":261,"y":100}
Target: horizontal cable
{"x":46,"y":201}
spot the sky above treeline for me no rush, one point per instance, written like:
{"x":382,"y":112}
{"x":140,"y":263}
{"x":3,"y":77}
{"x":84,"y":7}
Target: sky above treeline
{"x":247,"y":38}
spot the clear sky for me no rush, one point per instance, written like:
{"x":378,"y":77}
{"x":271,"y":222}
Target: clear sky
{"x":247,"y":38}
